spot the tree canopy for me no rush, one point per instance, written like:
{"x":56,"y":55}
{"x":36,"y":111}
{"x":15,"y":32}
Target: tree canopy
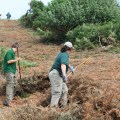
{"x":60,"y":16}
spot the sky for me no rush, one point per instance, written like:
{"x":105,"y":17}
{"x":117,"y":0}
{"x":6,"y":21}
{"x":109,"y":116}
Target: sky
{"x":17,"y":8}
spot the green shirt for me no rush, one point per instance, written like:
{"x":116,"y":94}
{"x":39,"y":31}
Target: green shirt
{"x":7,"y":68}
{"x":62,"y":58}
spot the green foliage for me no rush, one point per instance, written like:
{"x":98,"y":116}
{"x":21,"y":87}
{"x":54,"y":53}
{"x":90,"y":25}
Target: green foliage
{"x":117,"y":30}
{"x":99,"y":11}
{"x":71,"y":13}
{"x":46,"y":36}
{"x":60,"y":16}
{"x":114,"y":49}
{"x":25,"y":63}
{"x":2,"y":54}
{"x":44,"y":56}
{"x":83,"y":36}
{"x":83,"y":43}
{"x":87,"y":35}
{"x":86,"y":30}
{"x":28,"y":19}
{"x":84,"y":19}
{"x":106,"y":29}
{"x":24,"y":94}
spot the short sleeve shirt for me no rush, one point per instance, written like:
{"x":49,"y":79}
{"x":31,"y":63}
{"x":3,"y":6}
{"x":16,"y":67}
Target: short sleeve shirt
{"x":62,"y":58}
{"x":9,"y":68}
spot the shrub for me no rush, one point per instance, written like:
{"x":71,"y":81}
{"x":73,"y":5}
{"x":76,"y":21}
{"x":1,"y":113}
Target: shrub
{"x":25,"y":63}
{"x":83,"y":43}
{"x":83,"y":36}
{"x":117,"y":30}
{"x":87,"y":35}
{"x":46,"y":36}
{"x":24,"y":94}
{"x":114,"y":49}
{"x":28,"y":19}
{"x":2,"y":54}
{"x":60,"y":16}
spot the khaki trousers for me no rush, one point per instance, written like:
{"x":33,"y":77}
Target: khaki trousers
{"x":11,"y":84}
{"x":59,"y":89}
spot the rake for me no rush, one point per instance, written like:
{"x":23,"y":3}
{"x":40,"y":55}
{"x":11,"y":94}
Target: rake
{"x":80,"y":65}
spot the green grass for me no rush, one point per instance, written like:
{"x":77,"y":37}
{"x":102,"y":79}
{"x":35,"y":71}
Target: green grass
{"x":25,"y":63}
{"x":24,"y":95}
{"x":114,"y":49}
{"x":2,"y":54}
{"x":44,"y":56}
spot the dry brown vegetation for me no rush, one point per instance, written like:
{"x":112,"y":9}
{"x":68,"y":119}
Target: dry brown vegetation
{"x":94,"y":88}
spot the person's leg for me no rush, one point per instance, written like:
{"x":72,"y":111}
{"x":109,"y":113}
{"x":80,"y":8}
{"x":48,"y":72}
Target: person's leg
{"x":56,"y":87}
{"x":64,"y":95}
{"x":15,"y":86}
{"x":9,"y":88}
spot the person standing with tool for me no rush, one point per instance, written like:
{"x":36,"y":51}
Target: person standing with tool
{"x":9,"y":69}
{"x":58,"y":76}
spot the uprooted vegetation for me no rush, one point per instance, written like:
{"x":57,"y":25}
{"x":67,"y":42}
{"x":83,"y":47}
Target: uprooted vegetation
{"x":87,"y":101}
{"x":94,"y":88}
{"x":93,"y":93}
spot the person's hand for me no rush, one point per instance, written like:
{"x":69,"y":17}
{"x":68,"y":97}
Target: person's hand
{"x":72,"y":68}
{"x":17,"y":58}
{"x":65,"y":79}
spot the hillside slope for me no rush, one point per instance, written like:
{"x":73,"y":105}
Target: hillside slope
{"x":94,"y":89}
{"x":30,"y":47}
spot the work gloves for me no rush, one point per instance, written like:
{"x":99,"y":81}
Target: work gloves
{"x":72,"y":68}
{"x":65,"y":79}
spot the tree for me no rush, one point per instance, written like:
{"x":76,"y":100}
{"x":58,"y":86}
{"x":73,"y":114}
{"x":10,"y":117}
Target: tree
{"x":64,"y":15}
{"x":60,"y":16}
{"x":35,"y":8}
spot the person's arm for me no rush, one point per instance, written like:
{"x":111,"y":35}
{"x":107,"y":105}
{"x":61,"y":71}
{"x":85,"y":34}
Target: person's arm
{"x":63,"y":68}
{"x":13,"y":61}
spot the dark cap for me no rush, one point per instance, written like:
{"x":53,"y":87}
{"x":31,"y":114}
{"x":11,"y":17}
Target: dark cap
{"x":15,"y":45}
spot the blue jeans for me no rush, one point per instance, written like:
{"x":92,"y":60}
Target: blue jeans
{"x":59,"y":89}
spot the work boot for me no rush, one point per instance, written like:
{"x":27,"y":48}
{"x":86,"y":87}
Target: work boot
{"x":5,"y":103}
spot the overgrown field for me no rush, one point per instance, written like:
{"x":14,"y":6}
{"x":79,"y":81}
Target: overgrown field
{"x":94,"y":88}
